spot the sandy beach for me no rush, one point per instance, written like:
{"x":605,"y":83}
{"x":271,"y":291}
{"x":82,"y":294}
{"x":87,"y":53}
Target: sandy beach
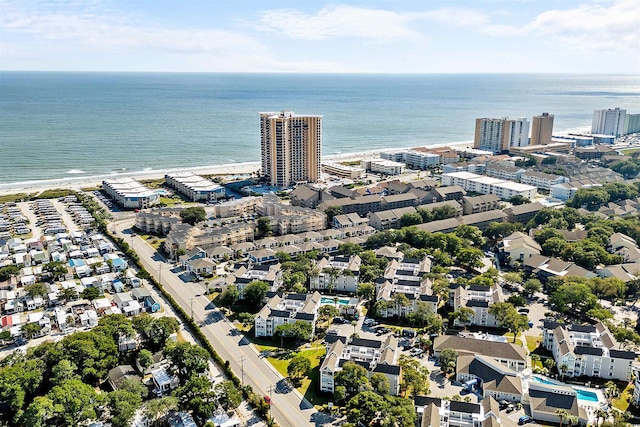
{"x":245,"y":168}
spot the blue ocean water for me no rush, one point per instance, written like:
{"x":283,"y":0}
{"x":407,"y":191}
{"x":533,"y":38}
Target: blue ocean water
{"x":57,"y":125}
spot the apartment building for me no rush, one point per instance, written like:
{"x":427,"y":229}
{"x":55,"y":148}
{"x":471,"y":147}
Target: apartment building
{"x":609,"y":122}
{"x":156,"y":222}
{"x":512,"y":356}
{"x":287,"y":219}
{"x":342,"y":171}
{"x":291,"y":147}
{"x":390,"y":218}
{"x":477,"y":298}
{"x":244,"y":206}
{"x":523,"y":213}
{"x":286,"y":308}
{"x":129,"y":193}
{"x":382,"y":166}
{"x":374,"y":355}
{"x":517,"y":247}
{"x":434,"y":412}
{"x":195,"y":187}
{"x":509,"y":173}
{"x":587,"y":350}
{"x":337,"y":273}
{"x":472,"y":182}
{"x":542,"y":129}
{"x":542,"y":180}
{"x":477,"y":204}
{"x":497,"y":135}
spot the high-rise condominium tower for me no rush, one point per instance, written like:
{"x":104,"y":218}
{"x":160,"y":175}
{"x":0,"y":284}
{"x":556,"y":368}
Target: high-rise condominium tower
{"x":542,"y":129}
{"x":609,"y":122}
{"x":291,"y":147}
{"x":499,"y":134}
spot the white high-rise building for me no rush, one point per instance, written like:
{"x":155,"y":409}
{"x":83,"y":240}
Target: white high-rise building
{"x":500,"y":134}
{"x":516,"y":132}
{"x":609,"y":122}
{"x":291,"y":146}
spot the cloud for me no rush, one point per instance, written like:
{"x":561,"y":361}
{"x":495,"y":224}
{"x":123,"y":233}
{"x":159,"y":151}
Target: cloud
{"x":88,"y":28}
{"x":340,"y":22}
{"x":596,"y":26}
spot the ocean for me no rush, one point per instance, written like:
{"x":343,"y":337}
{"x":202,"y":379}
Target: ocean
{"x":57,"y":125}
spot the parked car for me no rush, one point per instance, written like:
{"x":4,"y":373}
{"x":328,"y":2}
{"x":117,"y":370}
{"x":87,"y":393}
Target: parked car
{"x":340,"y":320}
{"x":524,"y":420}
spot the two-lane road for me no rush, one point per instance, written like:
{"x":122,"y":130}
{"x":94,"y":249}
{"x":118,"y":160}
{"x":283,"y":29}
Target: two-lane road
{"x":289,"y":409}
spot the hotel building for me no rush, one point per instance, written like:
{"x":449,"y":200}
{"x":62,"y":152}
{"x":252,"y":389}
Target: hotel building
{"x":291,"y":146}
{"x":609,"y":122}
{"x":542,"y":129}
{"x":498,"y":135}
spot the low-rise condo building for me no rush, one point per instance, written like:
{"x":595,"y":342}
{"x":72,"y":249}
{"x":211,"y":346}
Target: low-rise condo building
{"x":195,"y":187}
{"x":286,"y":308}
{"x":129,"y":193}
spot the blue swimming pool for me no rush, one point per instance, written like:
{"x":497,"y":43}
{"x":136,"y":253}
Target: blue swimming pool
{"x":585,"y":395}
{"x":589,"y":396}
{"x":326,"y":300}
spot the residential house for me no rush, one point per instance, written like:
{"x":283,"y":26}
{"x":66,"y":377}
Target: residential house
{"x":544,"y":267}
{"x":494,"y":379}
{"x":477,"y":204}
{"x":545,"y":400}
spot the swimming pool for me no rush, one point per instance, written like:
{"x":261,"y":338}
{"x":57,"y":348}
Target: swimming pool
{"x":327,"y":300}
{"x":582,"y":394}
{"x":589,"y":396}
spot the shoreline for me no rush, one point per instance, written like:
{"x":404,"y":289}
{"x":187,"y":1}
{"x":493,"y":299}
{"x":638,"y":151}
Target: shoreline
{"x":229,"y":169}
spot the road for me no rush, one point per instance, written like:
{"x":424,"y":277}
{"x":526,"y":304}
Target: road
{"x":290,"y":409}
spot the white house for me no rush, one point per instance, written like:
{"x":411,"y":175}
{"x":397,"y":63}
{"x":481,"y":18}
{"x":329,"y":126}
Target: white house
{"x":338,"y":273}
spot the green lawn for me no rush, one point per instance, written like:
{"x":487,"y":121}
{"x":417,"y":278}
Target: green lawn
{"x":509,"y":336}
{"x":532,"y":342}
{"x":628,"y":151}
{"x":310,"y":385}
{"x":622,"y":402}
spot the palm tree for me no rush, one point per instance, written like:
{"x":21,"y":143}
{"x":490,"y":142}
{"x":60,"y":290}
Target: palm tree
{"x":571,"y":420}
{"x":563,"y":370}
{"x":601,"y":413}
{"x":562,"y":413}
{"x":534,"y":359}
{"x":612,"y":390}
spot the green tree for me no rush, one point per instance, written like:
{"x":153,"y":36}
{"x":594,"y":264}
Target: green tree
{"x":365,"y":407}
{"x":462,"y":315}
{"x":573,"y":297}
{"x":380,"y":383}
{"x":299,"y":330}
{"x":57,"y":269}
{"x":518,"y":200}
{"x":400,"y":301}
{"x":500,"y":229}
{"x":122,"y":407}
{"x":155,"y":409}
{"x":36,"y":290}
{"x":187,"y":359}
{"x":423,"y":315}
{"x":74,"y":402}
{"x":255,"y":292}
{"x":331,"y":212}
{"x":8,"y":272}
{"x":145,"y":359}
{"x":39,"y":412}
{"x":512,"y":278}
{"x":366,"y":291}
{"x":197,"y":394}
{"x":415,"y":377}
{"x":592,"y":198}
{"x":229,"y":296}
{"x":193,"y":215}
{"x":348,"y":249}
{"x":470,"y":233}
{"x":410,"y":218}
{"x":353,"y":377}
{"x":448,"y":359}
{"x":532,"y":286}
{"x":31,"y":329}
{"x":470,"y":257}
{"x":64,"y":370}
{"x":299,"y":366}
{"x":91,"y":293}
{"x":228,"y":395}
